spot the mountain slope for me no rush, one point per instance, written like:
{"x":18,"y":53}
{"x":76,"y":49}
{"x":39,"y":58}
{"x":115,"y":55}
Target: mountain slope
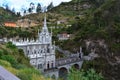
{"x":7,"y":15}
{"x":99,"y":30}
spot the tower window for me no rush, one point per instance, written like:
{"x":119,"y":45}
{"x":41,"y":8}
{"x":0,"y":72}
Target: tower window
{"x":28,"y":52}
{"x":52,"y":65}
{"x":34,"y":51}
{"x":39,"y":66}
{"x":48,"y":66}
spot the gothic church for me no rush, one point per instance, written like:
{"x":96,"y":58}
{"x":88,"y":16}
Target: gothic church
{"x":40,"y":52}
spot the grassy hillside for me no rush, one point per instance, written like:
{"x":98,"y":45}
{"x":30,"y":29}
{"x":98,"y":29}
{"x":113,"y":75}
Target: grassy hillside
{"x":19,"y":32}
{"x":13,"y":60}
{"x":7,"y":15}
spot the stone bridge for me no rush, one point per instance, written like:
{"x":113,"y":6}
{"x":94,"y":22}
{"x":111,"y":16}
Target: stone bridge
{"x":68,"y":62}
{"x":63,"y":66}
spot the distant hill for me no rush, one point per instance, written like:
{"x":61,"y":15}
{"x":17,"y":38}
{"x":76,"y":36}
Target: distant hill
{"x":65,"y":13}
{"x":7,"y":15}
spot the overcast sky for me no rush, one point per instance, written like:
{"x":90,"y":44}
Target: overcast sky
{"x":18,"y":4}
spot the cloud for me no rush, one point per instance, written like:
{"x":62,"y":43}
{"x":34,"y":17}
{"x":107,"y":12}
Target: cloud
{"x":20,"y":4}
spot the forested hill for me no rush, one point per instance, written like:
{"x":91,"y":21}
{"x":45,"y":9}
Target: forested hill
{"x":97,"y":27}
{"x":7,"y":15}
{"x":77,"y":7}
{"x":100,"y":22}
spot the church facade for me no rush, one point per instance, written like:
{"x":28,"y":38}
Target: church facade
{"x":40,"y":52}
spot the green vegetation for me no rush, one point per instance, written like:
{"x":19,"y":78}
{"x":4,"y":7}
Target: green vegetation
{"x":84,"y":75}
{"x":13,"y":60}
{"x":99,"y":22}
{"x":102,"y":23}
{"x":7,"y":15}
{"x":19,"y":32}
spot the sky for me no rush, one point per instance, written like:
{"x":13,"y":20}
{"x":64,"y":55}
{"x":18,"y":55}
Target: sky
{"x":20,"y":4}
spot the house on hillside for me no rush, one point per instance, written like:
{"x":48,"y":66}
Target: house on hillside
{"x":1,"y":40}
{"x":6,"y":75}
{"x":10,"y":24}
{"x":61,"y":22}
{"x":64,"y":36}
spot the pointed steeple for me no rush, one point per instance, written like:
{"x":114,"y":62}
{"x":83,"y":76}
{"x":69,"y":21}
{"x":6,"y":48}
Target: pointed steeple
{"x":45,"y":36}
{"x":45,"y":29}
{"x":45,"y":20}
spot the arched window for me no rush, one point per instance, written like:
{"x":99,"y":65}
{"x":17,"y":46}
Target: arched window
{"x":39,"y":66}
{"x":34,"y":51}
{"x":48,"y":66}
{"x":52,"y":64}
{"x":28,"y":52}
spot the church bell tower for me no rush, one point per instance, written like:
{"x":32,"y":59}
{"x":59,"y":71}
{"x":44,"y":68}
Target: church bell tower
{"x":45,"y":39}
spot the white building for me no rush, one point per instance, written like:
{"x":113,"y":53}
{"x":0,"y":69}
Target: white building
{"x":40,"y":52}
{"x":64,"y":36}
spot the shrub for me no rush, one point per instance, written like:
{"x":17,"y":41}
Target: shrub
{"x":4,"y":63}
{"x":24,"y":76}
{"x":10,"y":45}
{"x":10,"y":59}
{"x":1,"y":53}
{"x":84,"y":75}
{"x":5,"y":51}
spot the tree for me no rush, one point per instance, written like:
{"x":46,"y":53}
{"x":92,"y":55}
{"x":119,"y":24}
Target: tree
{"x":13,"y":10}
{"x":10,"y":59}
{"x":50,"y":6}
{"x":18,"y":13}
{"x":84,"y":75}
{"x":29,"y":10}
{"x":38,"y":9}
{"x":32,"y":6}
{"x":7,"y":7}
{"x":10,"y":45}
{"x":24,"y":12}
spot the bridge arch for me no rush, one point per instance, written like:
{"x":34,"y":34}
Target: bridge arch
{"x":63,"y":72}
{"x":76,"y":66}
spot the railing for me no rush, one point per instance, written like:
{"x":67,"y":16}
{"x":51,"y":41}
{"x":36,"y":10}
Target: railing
{"x":65,"y":61}
{"x":50,"y":70}
{"x":68,"y":53}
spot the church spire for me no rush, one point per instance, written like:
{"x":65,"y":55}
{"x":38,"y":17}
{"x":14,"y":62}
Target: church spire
{"x":45,"y":36}
{"x":45,"y":24}
{"x":45,"y":20}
